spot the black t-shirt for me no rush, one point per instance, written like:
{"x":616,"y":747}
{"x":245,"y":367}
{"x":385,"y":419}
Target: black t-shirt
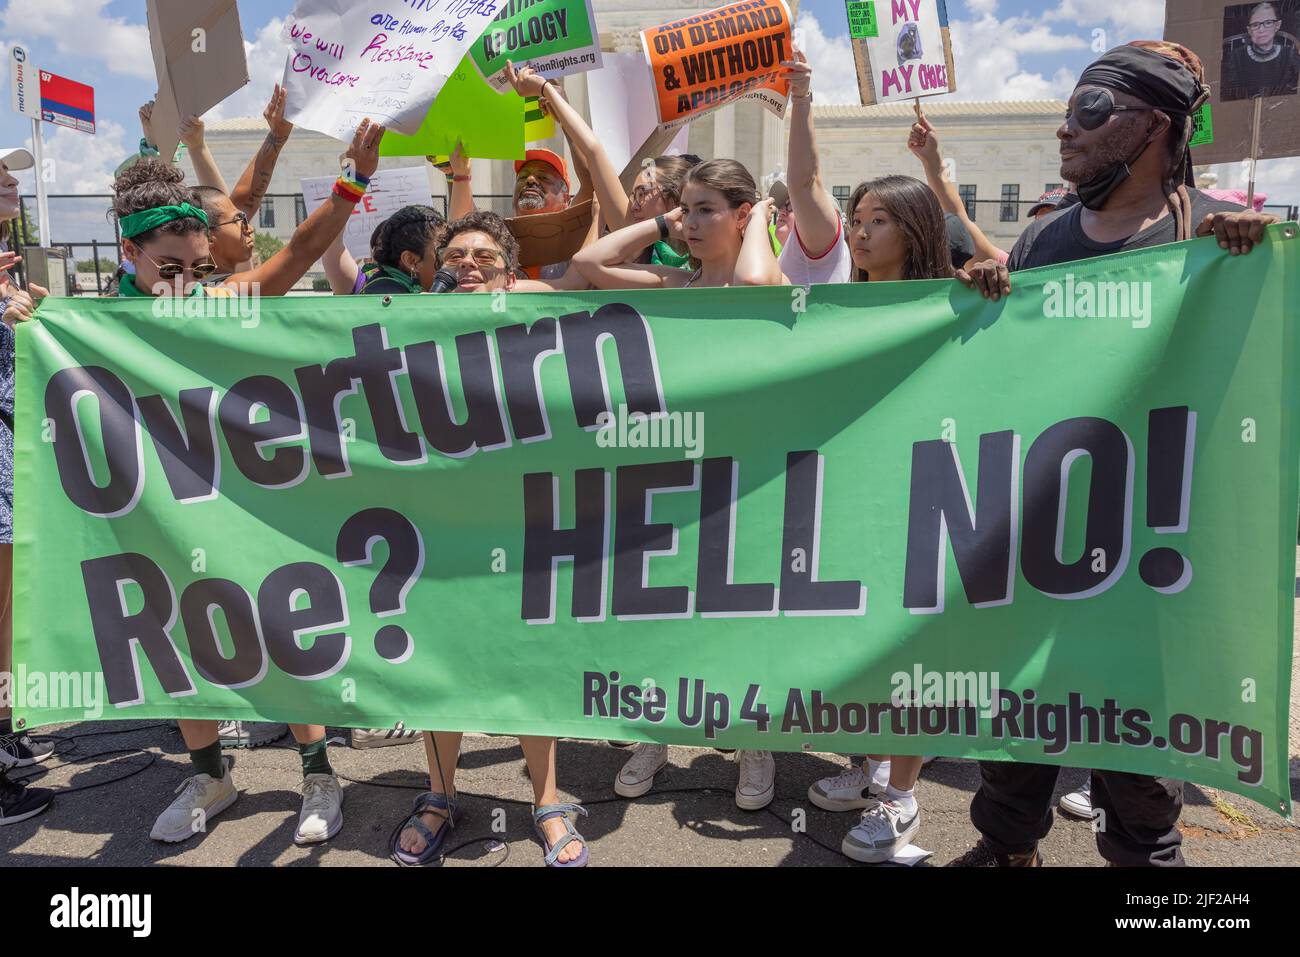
{"x":1059,"y":237}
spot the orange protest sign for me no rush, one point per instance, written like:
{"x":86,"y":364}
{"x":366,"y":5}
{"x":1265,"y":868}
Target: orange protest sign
{"x":717,"y":57}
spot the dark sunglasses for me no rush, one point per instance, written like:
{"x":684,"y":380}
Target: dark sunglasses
{"x":1095,"y":107}
{"x":200,"y":271}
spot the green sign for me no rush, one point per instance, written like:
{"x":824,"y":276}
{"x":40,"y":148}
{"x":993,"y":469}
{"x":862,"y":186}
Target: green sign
{"x":1203,"y":126}
{"x":554,"y":37}
{"x":862,"y":19}
{"x":891,"y":517}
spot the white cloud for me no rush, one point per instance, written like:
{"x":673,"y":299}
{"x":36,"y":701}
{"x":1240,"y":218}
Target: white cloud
{"x":80,"y":163}
{"x":1278,"y":179}
{"x":265,"y":68}
{"x":1134,"y":19}
{"x":988,"y":51}
{"x":835,"y":79}
{"x":81,"y":28}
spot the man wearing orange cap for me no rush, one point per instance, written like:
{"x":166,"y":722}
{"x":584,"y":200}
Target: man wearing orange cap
{"x":541,"y":183}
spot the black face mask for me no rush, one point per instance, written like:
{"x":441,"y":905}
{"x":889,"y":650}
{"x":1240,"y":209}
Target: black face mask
{"x":1094,"y":193}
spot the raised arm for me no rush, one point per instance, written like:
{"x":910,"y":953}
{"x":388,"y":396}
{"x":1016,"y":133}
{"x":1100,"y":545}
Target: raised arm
{"x":604,"y":263}
{"x":925,"y":146}
{"x":340,"y":268}
{"x":205,"y":167}
{"x":252,"y":186}
{"x":597,"y":169}
{"x":816,"y":215}
{"x":756,"y":265}
{"x":310,"y":240}
{"x":461,"y":186}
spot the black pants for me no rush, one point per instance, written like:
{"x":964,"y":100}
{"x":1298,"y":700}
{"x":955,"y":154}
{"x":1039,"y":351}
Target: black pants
{"x":1013,"y":810}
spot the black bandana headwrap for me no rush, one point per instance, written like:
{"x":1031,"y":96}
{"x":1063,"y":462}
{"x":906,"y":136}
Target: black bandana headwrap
{"x":1155,"y":79}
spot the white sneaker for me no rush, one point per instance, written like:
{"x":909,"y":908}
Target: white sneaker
{"x":202,"y":797}
{"x":881,"y":833}
{"x":322,"y":809}
{"x":756,"y":785}
{"x":383,"y":737}
{"x":638,"y":774}
{"x":851,"y":791}
{"x":1078,"y":803}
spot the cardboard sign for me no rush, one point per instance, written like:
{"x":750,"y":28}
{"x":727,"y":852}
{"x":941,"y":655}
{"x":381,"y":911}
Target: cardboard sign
{"x":348,"y":61}
{"x":390,"y":190}
{"x":909,"y":55}
{"x":718,"y":57}
{"x":554,"y":37}
{"x":199,"y":59}
{"x":1246,"y":56}
{"x":546,"y":238}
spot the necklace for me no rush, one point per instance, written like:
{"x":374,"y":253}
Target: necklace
{"x":1250,"y":48}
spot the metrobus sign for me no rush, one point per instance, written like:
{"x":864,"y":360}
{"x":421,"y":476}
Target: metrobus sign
{"x":47,"y":96}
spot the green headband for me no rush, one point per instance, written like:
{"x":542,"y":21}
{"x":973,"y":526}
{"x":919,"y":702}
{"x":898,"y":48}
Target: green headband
{"x":134,"y":224}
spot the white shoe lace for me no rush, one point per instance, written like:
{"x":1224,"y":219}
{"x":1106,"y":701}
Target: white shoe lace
{"x":317,"y":794}
{"x":753,"y":771}
{"x":854,"y":779}
{"x":191,"y":791}
{"x":644,"y":759}
{"x":881,"y":821}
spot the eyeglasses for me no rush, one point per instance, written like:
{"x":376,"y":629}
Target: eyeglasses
{"x":1094,"y":108}
{"x":241,"y":218}
{"x":200,"y":271}
{"x":1263,"y":24}
{"x":482,"y":256}
{"x":643,"y":194}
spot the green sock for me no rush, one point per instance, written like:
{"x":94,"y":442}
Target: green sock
{"x":315,"y":760}
{"x":208,"y":760}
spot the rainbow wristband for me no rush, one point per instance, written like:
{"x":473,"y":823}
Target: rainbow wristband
{"x":346,"y":189}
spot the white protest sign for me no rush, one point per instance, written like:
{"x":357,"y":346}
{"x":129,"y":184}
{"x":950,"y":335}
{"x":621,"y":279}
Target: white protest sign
{"x":350,"y":60}
{"x":902,"y":49}
{"x":390,"y":190}
{"x":621,"y":98}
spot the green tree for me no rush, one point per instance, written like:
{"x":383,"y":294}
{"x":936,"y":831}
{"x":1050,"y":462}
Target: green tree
{"x":266,"y":245}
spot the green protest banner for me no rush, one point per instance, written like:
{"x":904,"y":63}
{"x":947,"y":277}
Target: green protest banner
{"x":554,"y":37}
{"x":886,"y":517}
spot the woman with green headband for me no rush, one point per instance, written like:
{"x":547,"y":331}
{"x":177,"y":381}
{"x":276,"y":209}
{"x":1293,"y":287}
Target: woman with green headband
{"x":165,"y":235}
{"x":165,"y":229}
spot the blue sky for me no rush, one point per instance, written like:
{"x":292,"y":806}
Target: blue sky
{"x":1003,"y":49}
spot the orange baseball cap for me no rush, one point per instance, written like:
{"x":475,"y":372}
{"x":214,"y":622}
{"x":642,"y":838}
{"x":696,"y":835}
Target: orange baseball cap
{"x":553,"y":160}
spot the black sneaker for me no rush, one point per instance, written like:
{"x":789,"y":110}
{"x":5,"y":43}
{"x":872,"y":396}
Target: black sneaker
{"x":19,"y":802}
{"x":981,"y":855}
{"x":20,"y":751}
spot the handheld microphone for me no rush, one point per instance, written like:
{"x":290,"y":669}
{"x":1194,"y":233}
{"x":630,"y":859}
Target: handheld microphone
{"x":444,"y":280}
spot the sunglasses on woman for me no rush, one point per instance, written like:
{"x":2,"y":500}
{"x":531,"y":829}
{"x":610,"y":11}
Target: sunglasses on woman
{"x":199,"y":271}
{"x":241,"y":218}
{"x":482,"y":257}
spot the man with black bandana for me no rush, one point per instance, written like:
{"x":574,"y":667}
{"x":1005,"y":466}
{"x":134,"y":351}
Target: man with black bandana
{"x":1124,"y":141}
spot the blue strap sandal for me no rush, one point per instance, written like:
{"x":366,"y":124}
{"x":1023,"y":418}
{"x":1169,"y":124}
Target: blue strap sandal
{"x":562,"y":811}
{"x":433,"y":840}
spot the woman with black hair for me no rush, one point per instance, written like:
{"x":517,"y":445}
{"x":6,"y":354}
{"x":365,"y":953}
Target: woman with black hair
{"x":405,"y":248}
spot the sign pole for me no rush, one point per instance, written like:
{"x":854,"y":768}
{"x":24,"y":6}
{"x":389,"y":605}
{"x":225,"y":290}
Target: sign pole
{"x":42,"y":201}
{"x":1254,"y":152}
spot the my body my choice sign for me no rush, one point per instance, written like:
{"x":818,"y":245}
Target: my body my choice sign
{"x":893,"y":517}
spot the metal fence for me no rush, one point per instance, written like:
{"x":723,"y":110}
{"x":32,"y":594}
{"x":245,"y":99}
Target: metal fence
{"x":1002,"y":220}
